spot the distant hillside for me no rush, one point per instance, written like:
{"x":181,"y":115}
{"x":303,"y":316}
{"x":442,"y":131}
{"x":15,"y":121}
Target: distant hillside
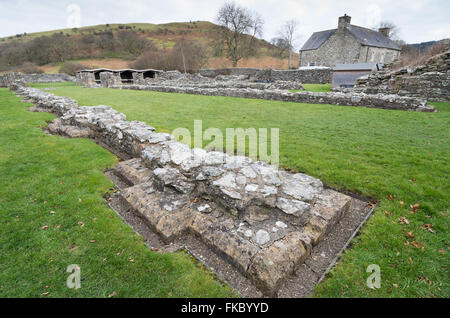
{"x":423,"y":46}
{"x":98,"y":45}
{"x":163,"y":35}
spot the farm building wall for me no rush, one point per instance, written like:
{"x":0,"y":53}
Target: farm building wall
{"x":340,"y":48}
{"x":378,"y":55}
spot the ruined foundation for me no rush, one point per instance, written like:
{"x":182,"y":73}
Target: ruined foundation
{"x":430,"y":80}
{"x":260,"y":84}
{"x":263,"y":222}
{"x":7,"y":79}
{"x":382,"y":101}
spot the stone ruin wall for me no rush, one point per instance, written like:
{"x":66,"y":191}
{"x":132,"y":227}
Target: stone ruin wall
{"x":7,"y":79}
{"x":310,"y":76}
{"x":278,"y":90}
{"x":240,"y":86}
{"x":383,"y":101}
{"x":236,"y":71}
{"x":430,"y":81}
{"x":86,"y":79}
{"x":109,"y":79}
{"x":264,"y":221}
{"x":47,"y":78}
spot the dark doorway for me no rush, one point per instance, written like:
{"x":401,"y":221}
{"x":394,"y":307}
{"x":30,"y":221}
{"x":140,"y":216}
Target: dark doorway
{"x":126,"y":76}
{"x":149,"y":74}
{"x":97,"y":76}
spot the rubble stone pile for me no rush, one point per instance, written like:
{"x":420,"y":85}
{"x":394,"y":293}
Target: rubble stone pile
{"x":430,"y":80}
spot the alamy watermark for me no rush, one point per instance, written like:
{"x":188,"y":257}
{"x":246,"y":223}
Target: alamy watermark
{"x":374,"y":279}
{"x":74,"y":279}
{"x":236,"y":141}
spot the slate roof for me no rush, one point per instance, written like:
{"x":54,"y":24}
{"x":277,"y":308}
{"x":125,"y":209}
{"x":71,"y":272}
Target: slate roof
{"x":371,"y":37}
{"x":317,"y":39}
{"x":117,"y":71}
{"x":362,"y":35}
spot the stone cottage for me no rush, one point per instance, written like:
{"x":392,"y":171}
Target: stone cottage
{"x":348,"y":44}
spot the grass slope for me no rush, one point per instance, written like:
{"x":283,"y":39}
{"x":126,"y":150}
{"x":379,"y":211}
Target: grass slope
{"x":40,"y":174}
{"x":150,"y":28}
{"x":397,"y":157}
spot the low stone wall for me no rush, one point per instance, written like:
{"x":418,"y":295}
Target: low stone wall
{"x":9,"y":78}
{"x":311,"y":76}
{"x":47,"y":78}
{"x":262,"y":220}
{"x":430,"y":81}
{"x":247,"y":71}
{"x":432,"y":85}
{"x":236,"y":71}
{"x":229,"y":84}
{"x":383,"y":101}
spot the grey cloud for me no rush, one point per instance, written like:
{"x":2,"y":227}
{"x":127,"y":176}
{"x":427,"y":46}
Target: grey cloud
{"x":419,"y":20}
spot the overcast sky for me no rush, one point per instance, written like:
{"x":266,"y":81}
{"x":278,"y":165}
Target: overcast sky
{"x":419,"y":20}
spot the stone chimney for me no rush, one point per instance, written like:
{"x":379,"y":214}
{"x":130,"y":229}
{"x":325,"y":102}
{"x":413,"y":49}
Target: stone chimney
{"x":385,"y":31}
{"x":344,"y":21}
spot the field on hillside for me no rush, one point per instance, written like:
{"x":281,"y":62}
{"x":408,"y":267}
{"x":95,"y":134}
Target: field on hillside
{"x":164,"y":32}
{"x":397,"y":158}
{"x":163,"y":36}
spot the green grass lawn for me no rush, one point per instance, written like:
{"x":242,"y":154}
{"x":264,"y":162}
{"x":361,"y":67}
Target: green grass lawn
{"x":396,"y":157}
{"x":40,"y":174}
{"x":323,"y":88}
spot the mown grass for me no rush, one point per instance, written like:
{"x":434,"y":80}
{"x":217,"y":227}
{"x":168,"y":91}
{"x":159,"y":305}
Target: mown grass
{"x":398,"y":158}
{"x":40,"y":174}
{"x":317,"y":87}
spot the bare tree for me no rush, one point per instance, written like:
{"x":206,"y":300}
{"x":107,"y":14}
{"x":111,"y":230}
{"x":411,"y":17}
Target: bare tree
{"x":189,"y":55}
{"x":281,"y":46}
{"x":237,"y":31}
{"x":186,"y":56}
{"x":130,"y":42}
{"x":287,"y":34}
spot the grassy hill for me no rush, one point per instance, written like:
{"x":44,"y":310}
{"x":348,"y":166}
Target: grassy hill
{"x":163,"y":36}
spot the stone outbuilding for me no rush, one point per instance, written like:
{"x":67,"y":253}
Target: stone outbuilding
{"x":348,"y":44}
{"x":114,"y":77}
